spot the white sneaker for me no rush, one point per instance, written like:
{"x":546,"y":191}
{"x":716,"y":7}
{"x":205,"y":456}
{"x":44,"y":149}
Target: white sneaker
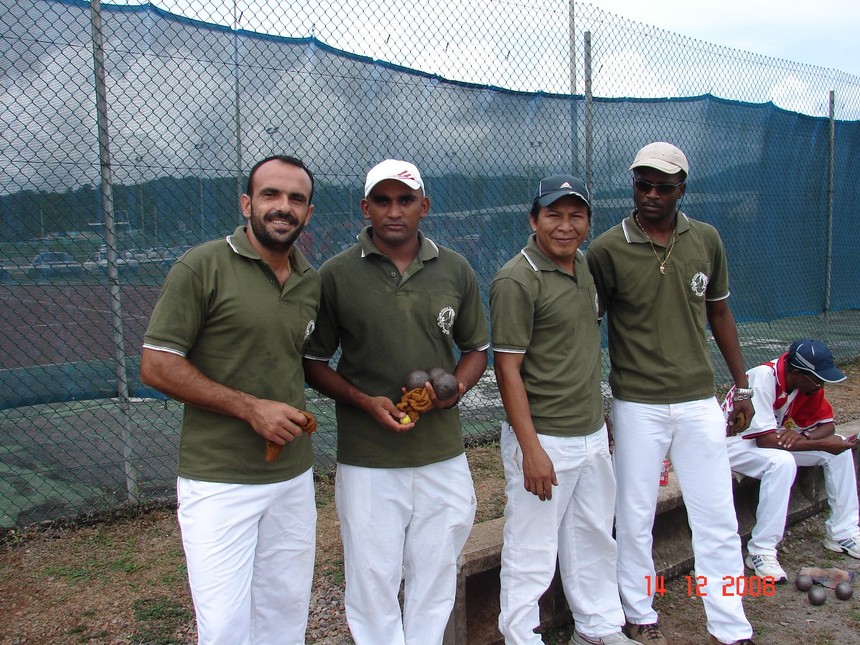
{"x":766,"y":565}
{"x":849,"y":545}
{"x":611,"y":639}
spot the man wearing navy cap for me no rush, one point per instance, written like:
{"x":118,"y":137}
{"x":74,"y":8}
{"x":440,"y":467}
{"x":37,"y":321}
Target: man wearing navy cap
{"x":793,"y":426}
{"x":560,"y":486}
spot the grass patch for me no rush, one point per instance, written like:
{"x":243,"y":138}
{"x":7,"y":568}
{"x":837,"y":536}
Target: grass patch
{"x":157,"y":619}
{"x":173,"y":577}
{"x":125,"y":564}
{"x":333,"y":570}
{"x":97,"y":557}
{"x":72,"y":574}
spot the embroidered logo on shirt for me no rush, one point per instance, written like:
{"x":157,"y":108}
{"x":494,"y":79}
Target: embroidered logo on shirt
{"x":445,"y":319}
{"x":699,"y":283}
{"x":310,"y":328}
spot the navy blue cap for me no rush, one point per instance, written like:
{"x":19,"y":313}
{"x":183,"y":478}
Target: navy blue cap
{"x":814,"y":356}
{"x":551,"y":189}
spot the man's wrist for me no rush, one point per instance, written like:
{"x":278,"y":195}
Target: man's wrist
{"x":455,"y":403}
{"x":742,"y":394}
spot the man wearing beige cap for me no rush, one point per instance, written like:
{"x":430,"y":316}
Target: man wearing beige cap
{"x":396,"y":302}
{"x":662,"y":277}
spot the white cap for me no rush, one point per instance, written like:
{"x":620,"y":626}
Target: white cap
{"x":663,"y":157}
{"x":402,"y":171}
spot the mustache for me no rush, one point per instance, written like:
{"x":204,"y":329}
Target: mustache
{"x":284,"y":215}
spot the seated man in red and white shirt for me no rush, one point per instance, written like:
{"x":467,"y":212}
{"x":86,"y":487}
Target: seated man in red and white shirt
{"x":793,"y":426}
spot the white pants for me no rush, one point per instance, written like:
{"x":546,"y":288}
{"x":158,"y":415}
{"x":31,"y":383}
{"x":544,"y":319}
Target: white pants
{"x":576,"y":525}
{"x":776,"y":469}
{"x":250,"y":552}
{"x":403,"y":522}
{"x":693,"y":434}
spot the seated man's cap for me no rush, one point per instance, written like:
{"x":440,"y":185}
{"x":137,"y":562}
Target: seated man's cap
{"x":814,"y":356}
{"x":402,"y":171}
{"x":663,"y":157}
{"x":551,"y":189}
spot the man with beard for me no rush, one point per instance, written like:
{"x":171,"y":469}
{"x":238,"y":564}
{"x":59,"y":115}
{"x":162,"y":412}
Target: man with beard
{"x":226,"y":338}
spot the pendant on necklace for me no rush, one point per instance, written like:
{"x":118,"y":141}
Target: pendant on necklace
{"x":663,"y":270}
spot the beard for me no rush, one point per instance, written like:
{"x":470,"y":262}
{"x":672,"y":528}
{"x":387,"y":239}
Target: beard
{"x":275,"y":241}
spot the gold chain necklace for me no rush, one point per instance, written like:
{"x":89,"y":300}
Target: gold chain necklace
{"x":653,"y":248}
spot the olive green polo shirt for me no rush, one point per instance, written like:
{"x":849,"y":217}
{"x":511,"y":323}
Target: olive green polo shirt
{"x":223,"y":309}
{"x":658,"y":339}
{"x":540,"y":310}
{"x":388,"y":325}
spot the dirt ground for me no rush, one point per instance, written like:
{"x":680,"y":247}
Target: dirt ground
{"x":124,"y":582}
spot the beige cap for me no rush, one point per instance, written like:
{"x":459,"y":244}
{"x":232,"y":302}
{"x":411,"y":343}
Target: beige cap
{"x":663,"y":157}
{"x":402,"y":171}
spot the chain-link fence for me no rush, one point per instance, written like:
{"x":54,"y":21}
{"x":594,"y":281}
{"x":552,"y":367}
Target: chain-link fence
{"x":128,"y":131}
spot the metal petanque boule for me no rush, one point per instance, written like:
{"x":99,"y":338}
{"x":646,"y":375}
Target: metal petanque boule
{"x":803,"y":582}
{"x":844,"y":591}
{"x":817,"y":596}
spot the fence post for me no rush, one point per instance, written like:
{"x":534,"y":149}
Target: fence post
{"x":574,"y":134}
{"x":131,"y":482}
{"x":589,"y":116}
{"x":237,"y":115}
{"x":828,"y":233}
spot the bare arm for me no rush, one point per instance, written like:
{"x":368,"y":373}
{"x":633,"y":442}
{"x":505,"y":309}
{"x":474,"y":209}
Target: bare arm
{"x":823,"y":430}
{"x":324,"y":379}
{"x":785,"y":439}
{"x":538,"y":471}
{"x":178,"y":378}
{"x":725,"y":333}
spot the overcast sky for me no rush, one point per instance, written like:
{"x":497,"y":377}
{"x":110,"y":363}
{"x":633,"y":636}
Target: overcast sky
{"x":824,"y":33}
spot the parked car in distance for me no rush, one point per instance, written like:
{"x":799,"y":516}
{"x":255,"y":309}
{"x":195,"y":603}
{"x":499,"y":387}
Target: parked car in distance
{"x":125,"y":262}
{"x":49,"y":264}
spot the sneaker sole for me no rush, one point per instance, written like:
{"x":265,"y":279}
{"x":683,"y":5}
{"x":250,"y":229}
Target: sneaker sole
{"x":780,"y":581}
{"x":838,"y":548}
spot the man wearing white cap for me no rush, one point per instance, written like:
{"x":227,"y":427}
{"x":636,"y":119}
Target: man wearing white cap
{"x":396,"y":302}
{"x":793,"y":426}
{"x":662,"y":278}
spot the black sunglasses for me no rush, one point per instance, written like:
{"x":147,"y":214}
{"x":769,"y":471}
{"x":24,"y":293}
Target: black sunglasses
{"x":662,"y":189}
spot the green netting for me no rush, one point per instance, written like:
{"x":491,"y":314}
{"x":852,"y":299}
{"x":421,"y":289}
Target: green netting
{"x":484,"y":97}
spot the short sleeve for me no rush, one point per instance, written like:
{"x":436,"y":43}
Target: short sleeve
{"x":511,"y":315}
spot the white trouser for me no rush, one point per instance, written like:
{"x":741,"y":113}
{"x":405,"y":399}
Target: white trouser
{"x":410,"y":522}
{"x":576,"y":524}
{"x":693,"y":434}
{"x":250,"y":552}
{"x":776,"y":469}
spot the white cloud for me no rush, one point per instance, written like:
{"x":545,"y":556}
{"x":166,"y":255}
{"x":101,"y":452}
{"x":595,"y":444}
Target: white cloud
{"x":795,"y":95}
{"x":823,"y":35}
{"x":627,"y":74}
